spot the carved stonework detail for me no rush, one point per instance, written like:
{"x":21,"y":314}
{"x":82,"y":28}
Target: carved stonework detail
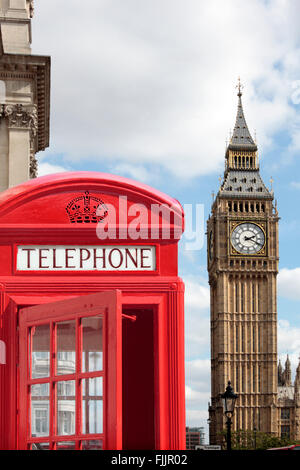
{"x":33,"y":170}
{"x":31,"y":7}
{"x":33,"y":165}
{"x":21,"y":117}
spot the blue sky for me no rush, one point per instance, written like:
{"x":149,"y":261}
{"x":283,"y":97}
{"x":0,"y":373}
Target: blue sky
{"x":146,"y":89}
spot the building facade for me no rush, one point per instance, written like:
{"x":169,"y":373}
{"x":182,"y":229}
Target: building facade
{"x":24,"y":95}
{"x":194,"y":437}
{"x":242,"y":261}
{"x":288,"y":402}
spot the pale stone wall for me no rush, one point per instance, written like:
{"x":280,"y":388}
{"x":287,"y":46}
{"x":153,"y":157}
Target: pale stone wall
{"x":24,"y":97}
{"x":3,"y":155}
{"x":15,"y":26}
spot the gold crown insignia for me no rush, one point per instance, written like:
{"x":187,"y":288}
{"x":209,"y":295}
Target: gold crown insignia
{"x":86,"y":209}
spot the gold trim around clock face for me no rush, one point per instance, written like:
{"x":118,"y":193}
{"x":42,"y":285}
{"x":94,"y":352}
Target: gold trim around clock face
{"x":261,"y":225}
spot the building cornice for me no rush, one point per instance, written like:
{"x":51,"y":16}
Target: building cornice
{"x":36,"y":68}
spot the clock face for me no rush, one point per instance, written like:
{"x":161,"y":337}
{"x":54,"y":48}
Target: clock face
{"x":248,"y":238}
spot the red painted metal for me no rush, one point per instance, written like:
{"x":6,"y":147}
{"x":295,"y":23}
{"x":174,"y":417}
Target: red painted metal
{"x":35,"y":214}
{"x":106,"y":305}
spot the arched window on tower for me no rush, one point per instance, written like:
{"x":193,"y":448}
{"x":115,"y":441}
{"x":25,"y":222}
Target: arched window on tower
{"x":253,"y":298}
{"x":237,"y":378}
{"x":243,"y":338}
{"x":242,"y":296}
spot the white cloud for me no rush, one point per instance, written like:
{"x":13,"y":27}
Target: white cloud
{"x":198,"y":393}
{"x":289,"y":283}
{"x":45,"y":168}
{"x":289,"y":343}
{"x":197,"y":295}
{"x":288,"y":340}
{"x":137,"y":172}
{"x":140,"y":82}
{"x":197,"y":329}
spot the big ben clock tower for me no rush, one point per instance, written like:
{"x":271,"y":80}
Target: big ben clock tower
{"x":242,"y":262}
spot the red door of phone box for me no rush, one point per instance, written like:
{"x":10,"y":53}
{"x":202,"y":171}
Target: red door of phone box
{"x":92,"y":315}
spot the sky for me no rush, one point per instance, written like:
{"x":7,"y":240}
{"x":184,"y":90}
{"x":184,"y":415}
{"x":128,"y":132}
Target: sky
{"x":146,"y":89}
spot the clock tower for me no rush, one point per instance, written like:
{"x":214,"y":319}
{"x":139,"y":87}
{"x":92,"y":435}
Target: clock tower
{"x":242,"y":259}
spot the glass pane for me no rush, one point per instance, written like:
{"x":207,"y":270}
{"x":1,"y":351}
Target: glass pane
{"x":92,"y":406}
{"x":65,"y":409}
{"x":68,"y":445}
{"x":40,"y":410}
{"x":40,"y":351}
{"x":40,"y":446}
{"x":92,"y":352}
{"x":66,"y":348}
{"x":92,"y":445}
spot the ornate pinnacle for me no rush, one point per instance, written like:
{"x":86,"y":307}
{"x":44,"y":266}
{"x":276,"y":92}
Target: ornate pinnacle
{"x":239,"y":87}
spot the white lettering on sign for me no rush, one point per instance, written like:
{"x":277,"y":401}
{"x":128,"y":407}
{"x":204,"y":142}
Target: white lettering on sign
{"x":86,"y":258}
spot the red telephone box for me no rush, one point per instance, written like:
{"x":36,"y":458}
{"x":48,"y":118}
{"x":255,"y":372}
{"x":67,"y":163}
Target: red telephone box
{"x":91,"y":315}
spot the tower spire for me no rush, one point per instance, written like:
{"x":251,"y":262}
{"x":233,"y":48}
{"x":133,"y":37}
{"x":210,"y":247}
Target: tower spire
{"x":241,"y":175}
{"x":239,"y":87}
{"x":241,"y":138}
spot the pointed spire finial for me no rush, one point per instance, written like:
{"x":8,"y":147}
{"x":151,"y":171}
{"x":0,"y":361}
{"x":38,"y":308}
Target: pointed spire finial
{"x":240,"y":138}
{"x":239,"y":87}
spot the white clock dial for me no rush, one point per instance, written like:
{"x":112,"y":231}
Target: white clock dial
{"x":248,"y":238}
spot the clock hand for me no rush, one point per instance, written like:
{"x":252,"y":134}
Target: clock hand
{"x":249,"y":238}
{"x":255,"y":241}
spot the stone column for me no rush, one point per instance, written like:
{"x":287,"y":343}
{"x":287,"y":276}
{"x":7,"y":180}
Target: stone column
{"x":21,"y":122}
{"x":15,"y":23}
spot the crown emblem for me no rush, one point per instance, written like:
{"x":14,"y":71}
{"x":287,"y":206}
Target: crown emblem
{"x":86,"y":209}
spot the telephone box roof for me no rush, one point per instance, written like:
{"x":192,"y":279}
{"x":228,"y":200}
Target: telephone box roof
{"x":73,"y":181}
